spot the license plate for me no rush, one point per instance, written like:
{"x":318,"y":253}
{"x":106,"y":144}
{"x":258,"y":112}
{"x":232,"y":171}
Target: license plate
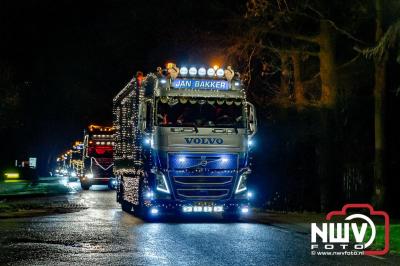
{"x":203,"y":203}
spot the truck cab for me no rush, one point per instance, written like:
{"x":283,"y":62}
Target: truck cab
{"x":97,"y":157}
{"x":193,"y":127}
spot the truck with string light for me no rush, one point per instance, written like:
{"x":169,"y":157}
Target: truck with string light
{"x":182,"y":143}
{"x":97,"y":157}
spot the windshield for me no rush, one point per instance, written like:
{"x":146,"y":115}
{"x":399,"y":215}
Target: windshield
{"x":200,"y":113}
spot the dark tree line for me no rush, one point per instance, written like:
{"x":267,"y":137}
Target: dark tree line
{"x":320,"y":73}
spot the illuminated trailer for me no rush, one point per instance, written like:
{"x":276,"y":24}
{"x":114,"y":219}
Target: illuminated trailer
{"x":182,"y":143}
{"x":97,"y":157}
{"x":76,"y":162}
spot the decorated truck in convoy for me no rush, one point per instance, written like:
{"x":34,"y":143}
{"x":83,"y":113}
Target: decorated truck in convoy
{"x":182,"y":142}
{"x":97,"y":157}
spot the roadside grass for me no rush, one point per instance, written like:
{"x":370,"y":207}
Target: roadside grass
{"x":28,"y":189}
{"x":37,"y":206}
{"x":394,"y":236}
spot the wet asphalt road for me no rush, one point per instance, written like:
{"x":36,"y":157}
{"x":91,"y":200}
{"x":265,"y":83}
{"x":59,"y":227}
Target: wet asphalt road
{"x":105,"y":235}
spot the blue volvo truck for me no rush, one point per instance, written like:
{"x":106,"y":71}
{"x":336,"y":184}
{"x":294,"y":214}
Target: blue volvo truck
{"x":182,"y":143}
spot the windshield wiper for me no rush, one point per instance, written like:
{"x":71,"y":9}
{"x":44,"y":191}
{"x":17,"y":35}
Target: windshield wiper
{"x":195,"y":128}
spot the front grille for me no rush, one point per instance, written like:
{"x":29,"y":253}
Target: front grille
{"x":192,"y":161}
{"x":202,"y":193}
{"x":202,"y":176}
{"x":202,"y":180}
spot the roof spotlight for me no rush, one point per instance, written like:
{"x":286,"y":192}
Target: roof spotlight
{"x":202,"y":71}
{"x":192,"y":71}
{"x":211,"y":72}
{"x":183,"y":71}
{"x":220,"y":72}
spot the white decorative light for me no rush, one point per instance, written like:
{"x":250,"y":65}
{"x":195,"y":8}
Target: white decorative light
{"x":220,"y":72}
{"x":183,"y":71}
{"x":192,"y":71}
{"x":202,"y":71}
{"x":211,"y":72}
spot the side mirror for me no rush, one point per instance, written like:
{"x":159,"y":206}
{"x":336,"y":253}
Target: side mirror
{"x":145,"y":117}
{"x":251,"y":120}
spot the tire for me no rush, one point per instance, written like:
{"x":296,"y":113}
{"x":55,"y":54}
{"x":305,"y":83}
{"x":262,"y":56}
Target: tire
{"x":85,"y":186}
{"x":143,"y":210}
{"x":126,"y":206}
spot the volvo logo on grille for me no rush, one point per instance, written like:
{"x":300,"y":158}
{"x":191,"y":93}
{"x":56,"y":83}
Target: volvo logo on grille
{"x":203,"y":163}
{"x":217,"y":141}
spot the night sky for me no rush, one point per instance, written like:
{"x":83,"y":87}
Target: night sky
{"x":68,"y":59}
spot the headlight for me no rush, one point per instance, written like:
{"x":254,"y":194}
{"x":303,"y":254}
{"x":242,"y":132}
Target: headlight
{"x":162,"y":183}
{"x":241,"y":186}
{"x":250,"y":143}
{"x":89,"y":175}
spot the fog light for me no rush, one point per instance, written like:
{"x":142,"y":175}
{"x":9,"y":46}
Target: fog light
{"x":245,"y":210}
{"x":149,"y":194}
{"x":154,"y":211}
{"x":249,"y":194}
{"x":250,"y":143}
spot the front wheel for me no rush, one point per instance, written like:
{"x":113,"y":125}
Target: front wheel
{"x":126,"y":206}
